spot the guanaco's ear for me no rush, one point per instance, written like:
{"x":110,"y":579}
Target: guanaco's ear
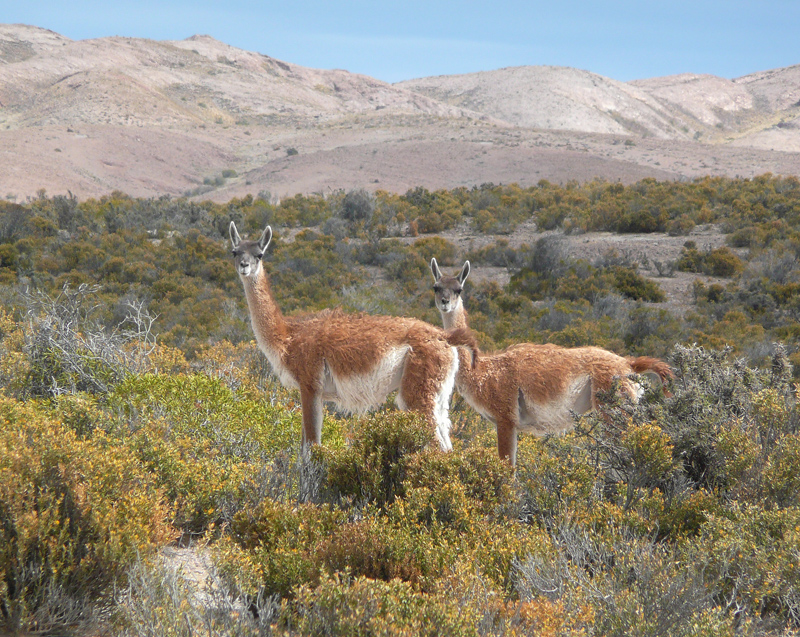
{"x":266,"y":237}
{"x":437,"y":273}
{"x":235,"y":238}
{"x":462,"y":276}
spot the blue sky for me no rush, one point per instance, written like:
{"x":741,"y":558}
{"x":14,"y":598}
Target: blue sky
{"x":398,"y":40}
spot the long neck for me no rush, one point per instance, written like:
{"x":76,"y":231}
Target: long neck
{"x":268,"y":323}
{"x":457,"y":317}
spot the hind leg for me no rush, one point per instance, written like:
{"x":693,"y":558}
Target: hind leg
{"x":426,"y":388}
{"x":442,"y":406}
{"x":410,"y":398}
{"x":311,"y":402}
{"x":507,"y":439}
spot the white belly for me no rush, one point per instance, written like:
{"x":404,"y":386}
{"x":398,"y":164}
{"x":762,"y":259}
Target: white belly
{"x":556,"y":416}
{"x":359,"y":393}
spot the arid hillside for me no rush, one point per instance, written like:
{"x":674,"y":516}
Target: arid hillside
{"x":682,"y":107}
{"x":198,"y":117}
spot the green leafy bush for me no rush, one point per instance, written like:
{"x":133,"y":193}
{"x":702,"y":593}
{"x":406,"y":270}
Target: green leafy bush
{"x":208,"y":452}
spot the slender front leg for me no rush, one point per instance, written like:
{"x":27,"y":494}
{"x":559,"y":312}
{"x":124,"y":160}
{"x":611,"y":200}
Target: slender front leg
{"x":311,"y":402}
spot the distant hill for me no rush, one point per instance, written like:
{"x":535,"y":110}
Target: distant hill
{"x":152,"y":118}
{"x":680,"y":107}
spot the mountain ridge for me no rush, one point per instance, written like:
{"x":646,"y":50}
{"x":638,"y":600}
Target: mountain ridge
{"x":168,"y":117}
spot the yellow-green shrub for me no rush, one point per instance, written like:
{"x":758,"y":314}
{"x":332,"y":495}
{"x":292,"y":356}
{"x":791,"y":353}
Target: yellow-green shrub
{"x":738,"y":452}
{"x":73,"y":514}
{"x":374,"y":608}
{"x":282,"y":542}
{"x":14,"y":365}
{"x":207,"y":444}
{"x":205,"y":407}
{"x":749,"y":557}
{"x":485,"y":479}
{"x":376,"y":548}
{"x":782,"y":474}
{"x":554,"y":476}
{"x":81,"y":412}
{"x":374,"y":466}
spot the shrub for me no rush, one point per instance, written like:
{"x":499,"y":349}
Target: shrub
{"x":73,"y":515}
{"x":429,"y":247}
{"x":79,"y":412}
{"x":633,"y":586}
{"x":282,"y":542}
{"x":69,"y":350}
{"x":632,"y":285}
{"x":375,"y":465}
{"x":690,"y":259}
{"x":782,"y":475}
{"x":721,"y":262}
{"x":356,"y":205}
{"x":680,"y":226}
{"x":500,"y":254}
{"x":553,"y":476}
{"x":8,"y":256}
{"x":13,"y":218}
{"x":748,"y":557}
{"x":639,"y":456}
{"x":376,"y":548}
{"x":214,"y":453}
{"x":485,"y":478}
{"x":726,"y":428}
{"x":364,"y":607}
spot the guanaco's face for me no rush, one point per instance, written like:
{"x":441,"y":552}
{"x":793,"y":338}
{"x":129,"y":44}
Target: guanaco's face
{"x":247,"y":254}
{"x":447,"y":289}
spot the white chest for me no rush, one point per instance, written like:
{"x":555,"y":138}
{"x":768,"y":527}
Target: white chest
{"x":285,"y":377}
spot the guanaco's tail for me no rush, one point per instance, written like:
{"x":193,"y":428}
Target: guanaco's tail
{"x":464,"y":337}
{"x":649,"y":365}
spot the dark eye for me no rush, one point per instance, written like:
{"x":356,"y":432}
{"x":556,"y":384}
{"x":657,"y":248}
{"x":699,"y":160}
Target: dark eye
{"x":259,"y":255}
{"x":437,"y":289}
{"x":235,"y":253}
{"x":458,"y":291}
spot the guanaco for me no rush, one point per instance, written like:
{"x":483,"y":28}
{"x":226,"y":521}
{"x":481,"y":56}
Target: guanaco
{"x":353,"y":360}
{"x":534,"y":388}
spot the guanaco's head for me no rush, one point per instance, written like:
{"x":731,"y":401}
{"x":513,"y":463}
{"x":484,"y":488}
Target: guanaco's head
{"x":247,"y":254}
{"x":447,"y":289}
